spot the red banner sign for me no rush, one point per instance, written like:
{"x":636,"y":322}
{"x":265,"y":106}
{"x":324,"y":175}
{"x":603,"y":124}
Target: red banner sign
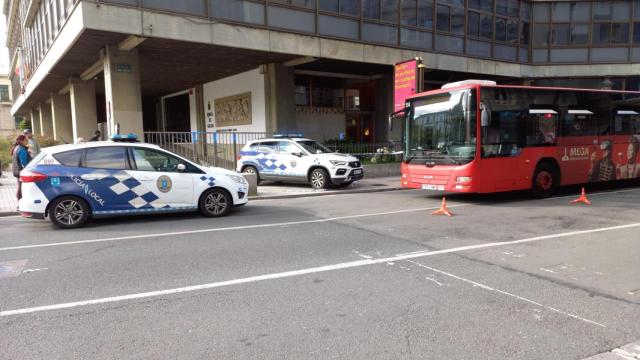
{"x":405,"y":77}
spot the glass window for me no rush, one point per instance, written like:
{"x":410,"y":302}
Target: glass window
{"x":457,"y":20}
{"x":620,"y":33}
{"x":627,"y":122}
{"x":621,"y":10}
{"x":541,"y":35}
{"x":190,"y":7}
{"x":389,"y":10}
{"x":442,"y":18}
{"x":486,"y":26}
{"x":485,"y":5}
{"x":425,"y":14}
{"x":350,"y":7}
{"x":525,"y":11}
{"x":580,"y":11}
{"x":512,"y":31}
{"x":560,"y":34}
{"x":153,"y":160}
{"x":311,"y":4}
{"x":636,"y":33}
{"x":473,"y":24}
{"x":409,"y":12}
{"x":636,"y":9}
{"x":314,"y":147}
{"x":267,"y":147}
{"x":579,"y":34}
{"x":602,"y":10}
{"x":4,"y":93}
{"x":245,"y":11}
{"x":541,"y":12}
{"x":524,"y":33}
{"x":69,"y":158}
{"x":328,"y":5}
{"x":508,"y":7}
{"x":501,"y":29}
{"x":601,"y":33}
{"x":371,"y":9}
{"x":107,"y":157}
{"x":561,"y":11}
{"x":286,"y":147}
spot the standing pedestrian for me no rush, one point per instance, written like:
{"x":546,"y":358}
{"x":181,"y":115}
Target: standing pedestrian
{"x":20,"y":158}
{"x":34,"y":148}
{"x":96,"y":136}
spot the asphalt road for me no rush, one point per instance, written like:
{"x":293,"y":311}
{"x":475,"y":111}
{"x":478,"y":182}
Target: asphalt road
{"x":359,"y":276}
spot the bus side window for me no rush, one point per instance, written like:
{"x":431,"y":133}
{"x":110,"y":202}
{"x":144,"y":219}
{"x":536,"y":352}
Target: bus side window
{"x":627,"y":122}
{"x":541,"y":128}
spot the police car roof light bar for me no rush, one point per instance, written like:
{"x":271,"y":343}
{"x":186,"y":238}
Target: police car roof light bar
{"x":288,"y":135}
{"x":124,"y":138}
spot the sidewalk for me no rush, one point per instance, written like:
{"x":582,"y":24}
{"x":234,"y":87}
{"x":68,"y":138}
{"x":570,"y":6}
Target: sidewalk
{"x":8,"y":188}
{"x":272,"y":190}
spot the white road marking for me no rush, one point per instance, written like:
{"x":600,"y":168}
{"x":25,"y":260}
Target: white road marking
{"x":489,"y":288}
{"x":231,"y":228}
{"x":319,"y":269}
{"x":33,"y":270}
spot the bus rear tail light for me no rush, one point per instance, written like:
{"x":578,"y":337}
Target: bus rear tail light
{"x":463,"y":179}
{"x":32,"y":176}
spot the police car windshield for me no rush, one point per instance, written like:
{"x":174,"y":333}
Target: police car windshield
{"x":314,"y":147}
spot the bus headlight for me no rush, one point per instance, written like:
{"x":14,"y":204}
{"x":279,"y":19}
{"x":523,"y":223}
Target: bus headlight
{"x":463,"y":179}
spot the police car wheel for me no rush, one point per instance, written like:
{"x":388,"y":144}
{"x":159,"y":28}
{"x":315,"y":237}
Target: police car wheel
{"x":252,"y":170}
{"x":215,"y":202}
{"x":68,"y":212}
{"x":319,"y":179}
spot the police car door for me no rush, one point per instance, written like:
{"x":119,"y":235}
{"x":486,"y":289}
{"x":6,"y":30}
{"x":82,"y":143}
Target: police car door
{"x":291,"y":159}
{"x":267,"y":159}
{"x":159,"y":172}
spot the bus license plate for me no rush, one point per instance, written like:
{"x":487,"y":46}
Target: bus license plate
{"x":432,"y":187}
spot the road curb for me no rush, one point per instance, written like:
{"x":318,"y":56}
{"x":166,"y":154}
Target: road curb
{"x":8,"y":213}
{"x":626,"y":352}
{"x":325,"y":193}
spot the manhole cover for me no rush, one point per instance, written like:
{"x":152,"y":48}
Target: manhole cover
{"x":11,"y":268}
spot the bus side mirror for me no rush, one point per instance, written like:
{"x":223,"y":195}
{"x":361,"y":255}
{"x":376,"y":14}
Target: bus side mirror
{"x":390,"y":119}
{"x":485,"y":114}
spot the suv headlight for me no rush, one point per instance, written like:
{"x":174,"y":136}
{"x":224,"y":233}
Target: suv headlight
{"x":338,"y":162}
{"x":237,"y":178}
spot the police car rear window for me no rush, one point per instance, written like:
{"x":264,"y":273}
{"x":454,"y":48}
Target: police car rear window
{"x":69,"y":158}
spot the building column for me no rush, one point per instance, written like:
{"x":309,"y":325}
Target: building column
{"x":35,"y":121}
{"x":122,"y":91}
{"x":280,"y":99}
{"x":46,"y":125}
{"x":84,"y":118}
{"x":61,"y":116}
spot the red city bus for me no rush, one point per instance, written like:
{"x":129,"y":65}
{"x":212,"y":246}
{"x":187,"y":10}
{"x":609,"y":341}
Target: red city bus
{"x":478,"y":137}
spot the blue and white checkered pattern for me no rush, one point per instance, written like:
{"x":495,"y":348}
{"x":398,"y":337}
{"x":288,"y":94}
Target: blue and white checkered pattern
{"x":208,"y":179}
{"x":269,"y":163}
{"x":130,"y":190}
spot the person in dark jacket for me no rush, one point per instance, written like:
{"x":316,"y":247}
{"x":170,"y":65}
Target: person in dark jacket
{"x":96,"y":136}
{"x":20,"y":159}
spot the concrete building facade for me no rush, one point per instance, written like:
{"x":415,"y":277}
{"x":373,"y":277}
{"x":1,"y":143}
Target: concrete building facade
{"x":321,"y":67}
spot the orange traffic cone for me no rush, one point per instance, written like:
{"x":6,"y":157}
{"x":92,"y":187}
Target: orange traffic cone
{"x":443,"y":209}
{"x":582,"y":199}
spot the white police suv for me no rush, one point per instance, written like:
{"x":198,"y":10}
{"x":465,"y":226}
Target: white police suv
{"x":298,"y":160}
{"x":71,"y":183}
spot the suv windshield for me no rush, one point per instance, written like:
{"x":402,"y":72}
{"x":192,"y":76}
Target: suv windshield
{"x":314,"y":147}
{"x":442,"y":129}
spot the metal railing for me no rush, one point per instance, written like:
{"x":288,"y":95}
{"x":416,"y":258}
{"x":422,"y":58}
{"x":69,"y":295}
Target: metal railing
{"x":222,"y":148}
{"x":207,"y":148}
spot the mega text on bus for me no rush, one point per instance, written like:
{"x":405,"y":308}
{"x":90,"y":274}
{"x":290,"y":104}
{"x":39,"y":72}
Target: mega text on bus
{"x":476,"y":136}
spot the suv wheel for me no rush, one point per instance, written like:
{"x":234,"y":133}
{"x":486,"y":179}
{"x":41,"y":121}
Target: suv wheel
{"x":319,"y":179}
{"x":252,"y":170}
{"x":215,"y":203}
{"x":69,"y":212}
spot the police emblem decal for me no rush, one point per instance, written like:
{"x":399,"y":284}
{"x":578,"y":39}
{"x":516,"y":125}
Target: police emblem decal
{"x":164,"y":183}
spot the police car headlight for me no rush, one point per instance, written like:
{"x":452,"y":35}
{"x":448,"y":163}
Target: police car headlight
{"x":338,"y":162}
{"x":237,"y":178}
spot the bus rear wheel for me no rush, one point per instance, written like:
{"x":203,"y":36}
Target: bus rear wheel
{"x":546,"y":179}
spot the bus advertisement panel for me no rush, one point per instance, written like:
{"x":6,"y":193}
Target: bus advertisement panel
{"x":490,"y":138}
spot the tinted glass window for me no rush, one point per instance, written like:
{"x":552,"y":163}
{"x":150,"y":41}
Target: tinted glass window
{"x":285,"y":147}
{"x":620,"y":33}
{"x":627,"y":122}
{"x":442,"y":18}
{"x":69,"y":158}
{"x":153,"y":160}
{"x":501,"y":29}
{"x":107,"y":157}
{"x":541,"y":35}
{"x":425,"y":14}
{"x":329,"y":5}
{"x":267,"y":147}
{"x":636,"y":33}
{"x":409,"y":13}
{"x":560,"y":34}
{"x":486,"y":5}
{"x":601,"y":33}
{"x":579,"y":34}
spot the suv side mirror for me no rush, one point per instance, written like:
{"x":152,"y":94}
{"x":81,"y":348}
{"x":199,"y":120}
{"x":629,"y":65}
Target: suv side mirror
{"x":181,"y":167}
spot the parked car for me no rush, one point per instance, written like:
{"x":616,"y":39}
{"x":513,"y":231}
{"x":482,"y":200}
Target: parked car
{"x":298,"y":160}
{"x":71,"y":183}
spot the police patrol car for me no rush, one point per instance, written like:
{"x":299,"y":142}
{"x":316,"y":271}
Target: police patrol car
{"x":71,"y":183}
{"x":298,"y":159}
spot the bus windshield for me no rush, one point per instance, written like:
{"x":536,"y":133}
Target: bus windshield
{"x":442,"y":129}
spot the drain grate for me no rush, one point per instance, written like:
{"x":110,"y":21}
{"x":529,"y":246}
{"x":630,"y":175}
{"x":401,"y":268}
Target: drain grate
{"x":11,"y":268}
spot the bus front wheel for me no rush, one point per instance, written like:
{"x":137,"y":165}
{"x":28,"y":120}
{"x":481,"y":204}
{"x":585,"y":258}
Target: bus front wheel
{"x":546,"y":179}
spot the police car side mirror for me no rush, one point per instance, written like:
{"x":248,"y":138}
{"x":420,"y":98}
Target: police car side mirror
{"x":181,"y":167}
{"x":298,"y":154}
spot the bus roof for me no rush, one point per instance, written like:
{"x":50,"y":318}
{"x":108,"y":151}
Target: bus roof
{"x":476,"y":85}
